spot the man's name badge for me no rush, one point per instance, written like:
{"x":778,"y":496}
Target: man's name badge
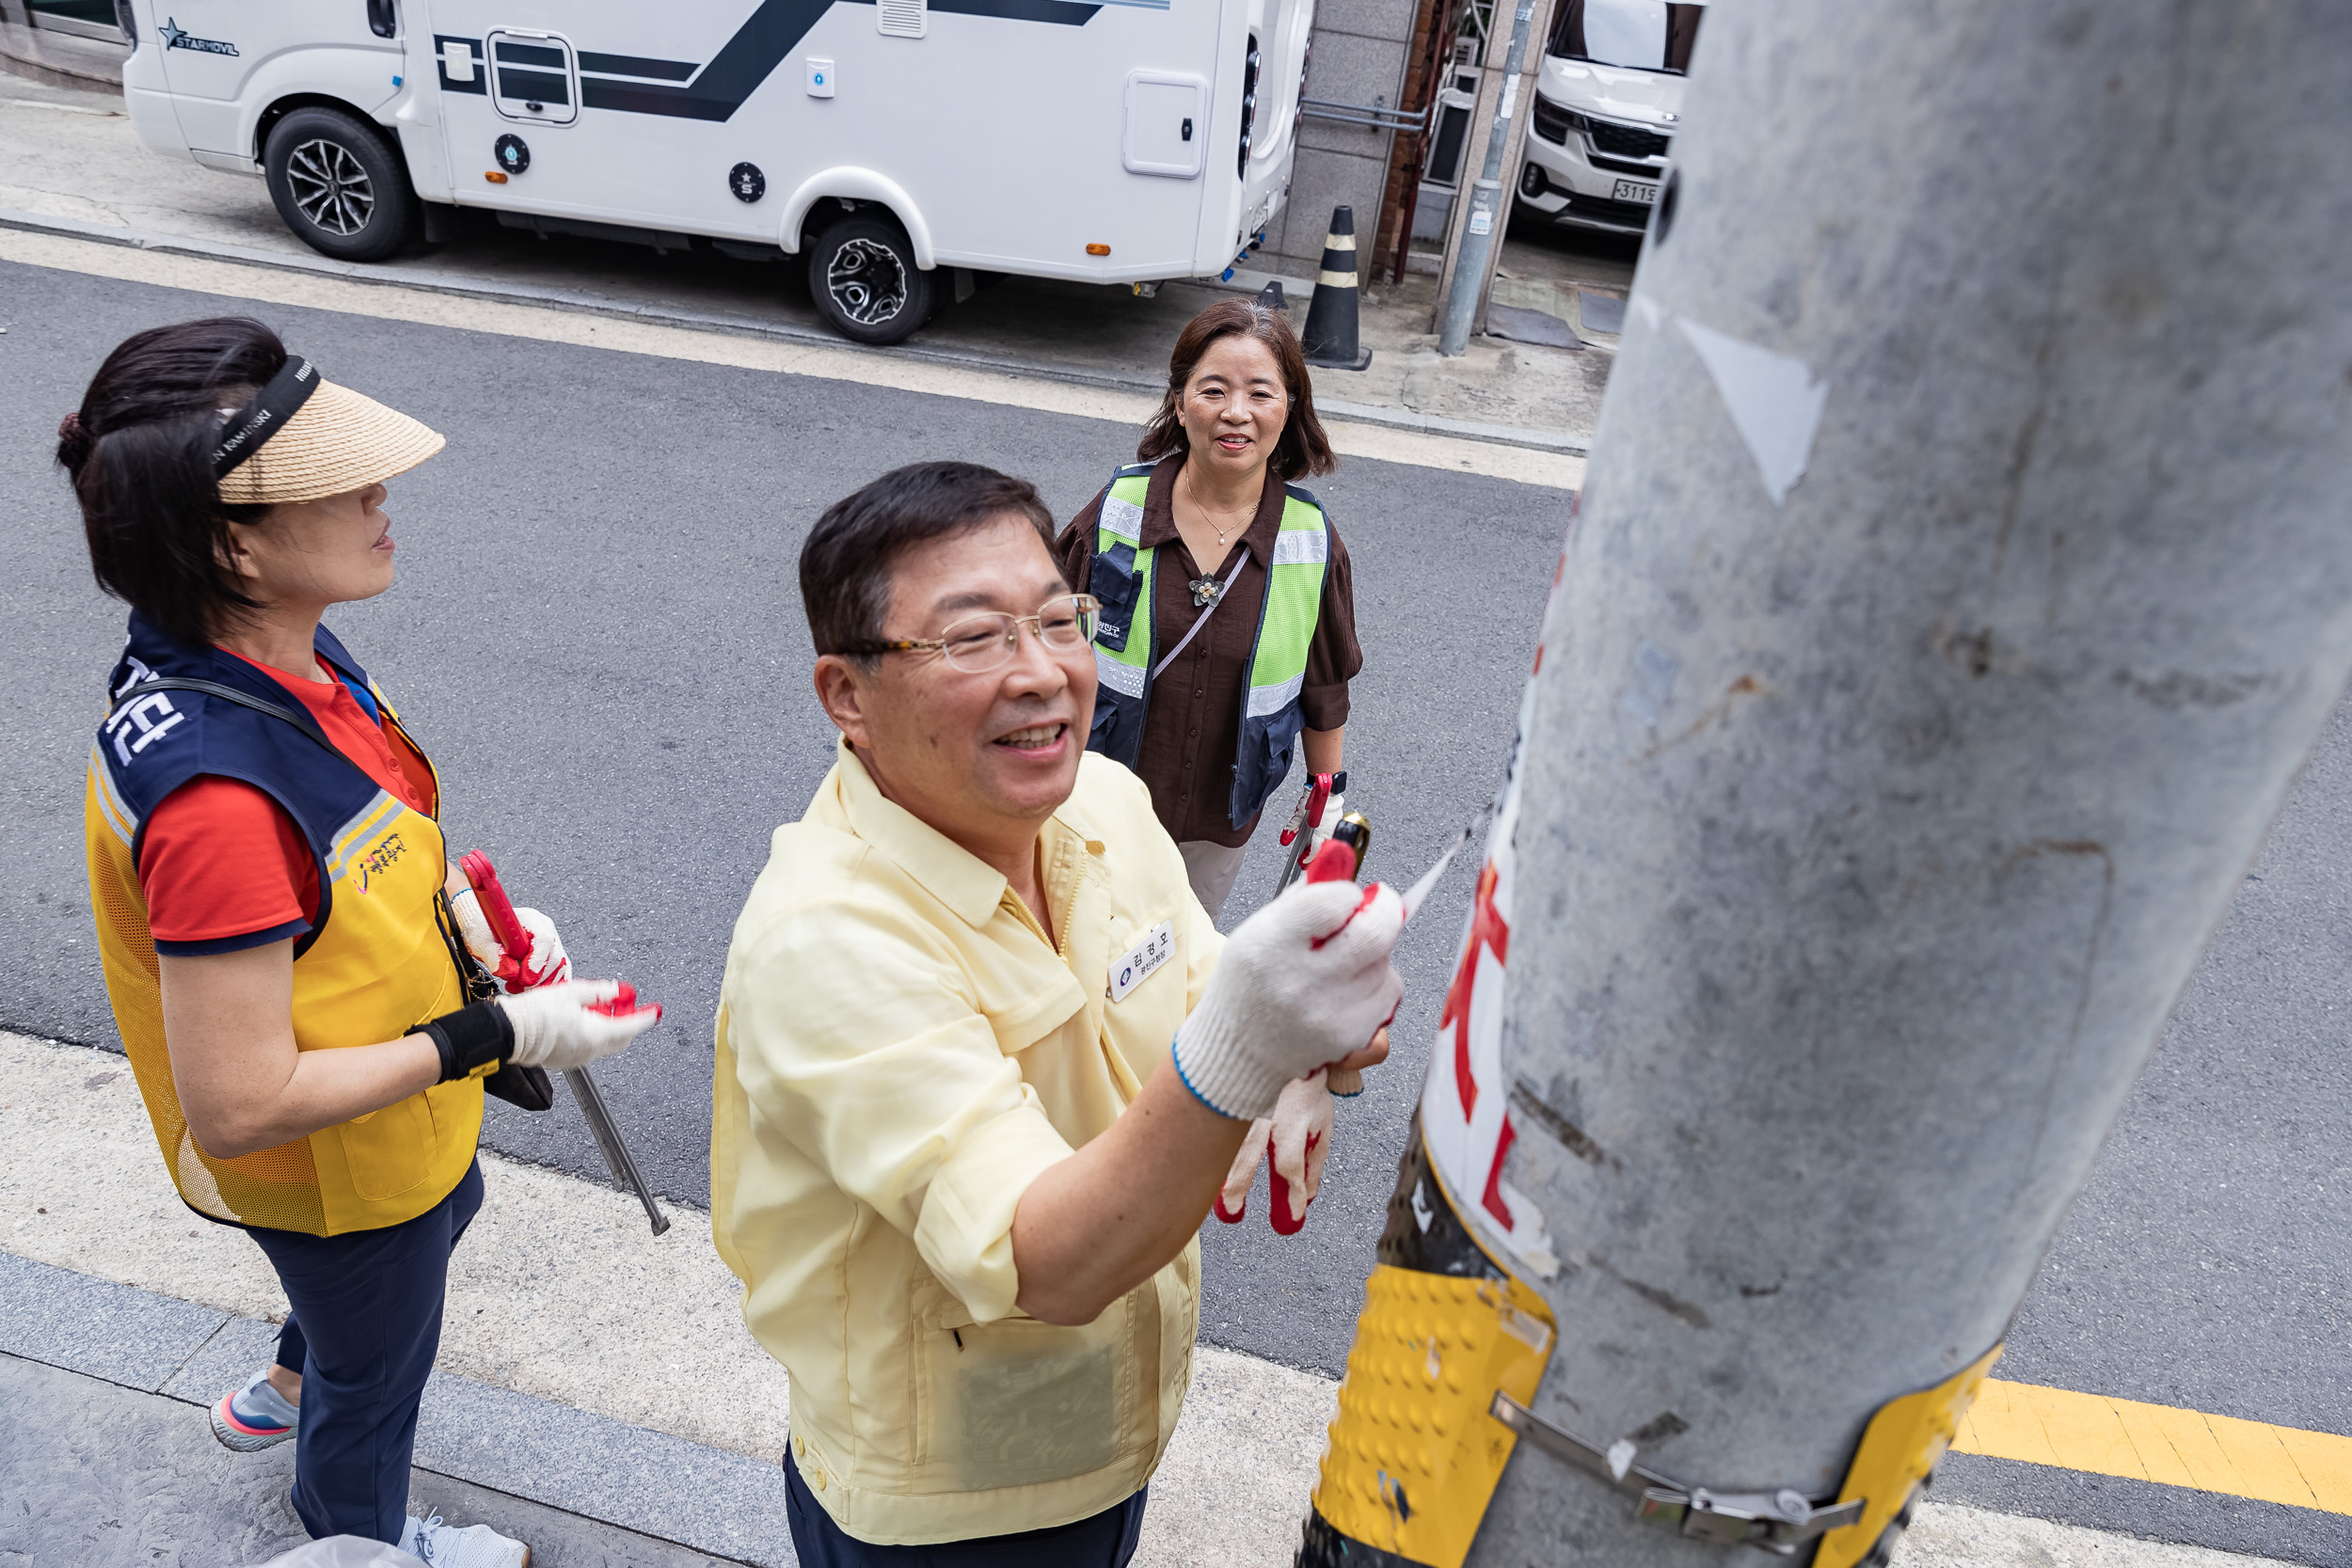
{"x":1135,"y":966}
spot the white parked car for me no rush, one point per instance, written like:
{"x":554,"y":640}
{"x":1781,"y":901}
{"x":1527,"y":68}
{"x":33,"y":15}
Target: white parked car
{"x":900,"y":149}
{"x":1608,"y":99}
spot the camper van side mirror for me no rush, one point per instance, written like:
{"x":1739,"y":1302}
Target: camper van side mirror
{"x":380,"y":18}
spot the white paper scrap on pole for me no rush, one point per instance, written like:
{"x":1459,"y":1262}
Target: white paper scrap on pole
{"x":1774,"y":401}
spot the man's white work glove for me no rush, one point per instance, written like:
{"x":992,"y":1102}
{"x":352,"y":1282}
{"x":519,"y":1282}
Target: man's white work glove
{"x":1298,"y":1135}
{"x":549,"y":962}
{"x":1232,"y":1199}
{"x":1304,"y":981}
{"x":1302,"y":1142}
{"x":573,"y":1022}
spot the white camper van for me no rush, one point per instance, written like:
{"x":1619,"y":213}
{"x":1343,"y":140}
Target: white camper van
{"x":902,"y":146}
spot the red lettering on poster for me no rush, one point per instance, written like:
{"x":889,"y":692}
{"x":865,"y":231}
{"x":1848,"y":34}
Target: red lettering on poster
{"x":1489,"y":930}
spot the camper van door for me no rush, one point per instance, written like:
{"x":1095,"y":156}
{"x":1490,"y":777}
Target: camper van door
{"x":589,"y":111}
{"x":225,"y":60}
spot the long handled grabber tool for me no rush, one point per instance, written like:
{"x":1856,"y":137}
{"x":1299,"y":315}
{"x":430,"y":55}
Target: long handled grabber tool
{"x":1298,"y":832}
{"x":511,"y":935}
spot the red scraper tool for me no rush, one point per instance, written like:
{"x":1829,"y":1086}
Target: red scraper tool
{"x":516,"y":973}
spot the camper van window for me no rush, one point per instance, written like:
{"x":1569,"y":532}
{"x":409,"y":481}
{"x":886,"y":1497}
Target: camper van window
{"x":1638,"y":35}
{"x":549,"y":85}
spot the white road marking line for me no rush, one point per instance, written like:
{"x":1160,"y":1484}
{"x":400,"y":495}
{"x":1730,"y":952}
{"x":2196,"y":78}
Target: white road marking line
{"x":387,"y":302}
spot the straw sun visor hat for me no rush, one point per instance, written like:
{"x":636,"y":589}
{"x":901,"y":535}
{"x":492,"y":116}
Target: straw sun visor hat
{"x":303,"y":438}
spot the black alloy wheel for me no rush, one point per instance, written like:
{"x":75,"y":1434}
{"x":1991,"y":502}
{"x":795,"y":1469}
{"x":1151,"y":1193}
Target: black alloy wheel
{"x":340,"y":185}
{"x":862,"y":277}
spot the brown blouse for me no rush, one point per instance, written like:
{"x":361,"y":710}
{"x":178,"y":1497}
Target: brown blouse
{"x":1192,"y":724}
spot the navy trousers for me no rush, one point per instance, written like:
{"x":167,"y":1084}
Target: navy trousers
{"x":1106,"y":1541}
{"x":364,"y":1329}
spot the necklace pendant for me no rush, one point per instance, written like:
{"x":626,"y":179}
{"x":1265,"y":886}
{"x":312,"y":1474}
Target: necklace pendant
{"x":1206,"y":592}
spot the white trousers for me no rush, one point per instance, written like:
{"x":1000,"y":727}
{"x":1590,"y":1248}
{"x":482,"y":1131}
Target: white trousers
{"x":1211,"y":869}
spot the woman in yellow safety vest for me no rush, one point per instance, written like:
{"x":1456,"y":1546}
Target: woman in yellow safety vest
{"x":291,"y":957}
{"x":1227,"y":631}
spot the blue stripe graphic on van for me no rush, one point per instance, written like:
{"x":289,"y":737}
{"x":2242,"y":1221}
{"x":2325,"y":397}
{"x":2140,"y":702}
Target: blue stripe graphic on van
{"x":1062,"y":13}
{"x":771,"y":32}
{"x":635,"y":65}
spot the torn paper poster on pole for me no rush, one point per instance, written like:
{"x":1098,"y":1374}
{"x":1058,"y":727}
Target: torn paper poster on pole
{"x":1464,"y":1104}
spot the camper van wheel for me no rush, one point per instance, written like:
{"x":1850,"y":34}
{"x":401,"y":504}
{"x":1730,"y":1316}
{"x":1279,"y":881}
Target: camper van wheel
{"x":863,"y":276}
{"x":340,"y":185}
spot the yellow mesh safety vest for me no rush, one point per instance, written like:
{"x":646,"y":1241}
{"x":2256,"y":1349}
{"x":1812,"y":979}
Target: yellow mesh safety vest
{"x":378,"y":962}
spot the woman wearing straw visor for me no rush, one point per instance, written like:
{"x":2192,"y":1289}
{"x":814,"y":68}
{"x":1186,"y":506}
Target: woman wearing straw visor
{"x":284,"y":941}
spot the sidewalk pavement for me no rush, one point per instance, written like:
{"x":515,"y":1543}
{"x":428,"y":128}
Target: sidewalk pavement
{"x":108,"y":1460}
{"x":597,"y":1395}
{"x":71,"y":155}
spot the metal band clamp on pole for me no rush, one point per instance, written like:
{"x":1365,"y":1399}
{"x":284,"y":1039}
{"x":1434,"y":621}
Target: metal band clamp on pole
{"x":1776,"y":1521}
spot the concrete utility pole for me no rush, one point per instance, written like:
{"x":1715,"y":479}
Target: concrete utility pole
{"x":1486,"y":217}
{"x":1965,"y":572}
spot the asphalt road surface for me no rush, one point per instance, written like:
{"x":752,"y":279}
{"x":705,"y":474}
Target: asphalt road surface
{"x":596,"y":634}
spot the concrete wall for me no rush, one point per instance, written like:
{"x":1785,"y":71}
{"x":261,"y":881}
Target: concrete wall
{"x":1359,"y":53}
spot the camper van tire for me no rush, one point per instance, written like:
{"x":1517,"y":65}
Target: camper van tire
{"x":340,"y":185}
{"x":862,"y":277}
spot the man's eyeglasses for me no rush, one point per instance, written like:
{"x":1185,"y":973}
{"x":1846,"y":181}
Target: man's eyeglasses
{"x":979,"y":643}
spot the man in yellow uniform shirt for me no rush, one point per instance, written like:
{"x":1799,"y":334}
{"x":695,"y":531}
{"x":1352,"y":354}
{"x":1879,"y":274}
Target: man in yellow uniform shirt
{"x":984,"y":1063}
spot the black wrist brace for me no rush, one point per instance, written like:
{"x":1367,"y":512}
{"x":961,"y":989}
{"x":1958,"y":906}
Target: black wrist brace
{"x":469,"y":1038}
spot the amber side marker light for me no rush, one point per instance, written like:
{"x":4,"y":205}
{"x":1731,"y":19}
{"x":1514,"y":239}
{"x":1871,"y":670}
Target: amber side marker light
{"x":496,"y":177}
{"x":1098,"y":250}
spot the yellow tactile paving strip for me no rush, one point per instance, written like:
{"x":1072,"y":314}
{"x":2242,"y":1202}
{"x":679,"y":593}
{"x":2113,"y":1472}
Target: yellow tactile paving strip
{"x":2154,"y":1442}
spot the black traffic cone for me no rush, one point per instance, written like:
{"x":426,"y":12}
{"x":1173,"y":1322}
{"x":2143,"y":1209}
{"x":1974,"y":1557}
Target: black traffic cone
{"x":1271,"y":296}
{"x":1330,"y":336}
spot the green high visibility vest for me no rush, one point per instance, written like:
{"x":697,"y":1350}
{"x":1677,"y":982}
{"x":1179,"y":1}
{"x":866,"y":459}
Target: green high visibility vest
{"x":1126,"y":645}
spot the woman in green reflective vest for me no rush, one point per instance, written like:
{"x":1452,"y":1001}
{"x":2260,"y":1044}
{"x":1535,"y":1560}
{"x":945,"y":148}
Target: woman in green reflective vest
{"x":1227,"y":633}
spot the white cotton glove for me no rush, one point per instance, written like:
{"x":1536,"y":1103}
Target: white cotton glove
{"x":1232,"y":1200}
{"x":549,"y":962}
{"x":1301,"y":1141}
{"x":474,"y":927}
{"x":573,"y":1022}
{"x":1304,"y":981}
{"x":1298,"y":1137}
{"x":1334,"y":808}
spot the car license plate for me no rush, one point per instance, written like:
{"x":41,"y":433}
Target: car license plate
{"x":1634,"y":190}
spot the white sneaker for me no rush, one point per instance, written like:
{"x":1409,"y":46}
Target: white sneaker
{"x":447,"y":1546}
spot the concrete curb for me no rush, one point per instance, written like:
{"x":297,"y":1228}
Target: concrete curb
{"x":708,"y":1499}
{"x":746,"y":326}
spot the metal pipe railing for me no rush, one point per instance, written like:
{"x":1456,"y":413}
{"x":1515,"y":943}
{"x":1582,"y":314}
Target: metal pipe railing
{"x":1374,"y":117}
